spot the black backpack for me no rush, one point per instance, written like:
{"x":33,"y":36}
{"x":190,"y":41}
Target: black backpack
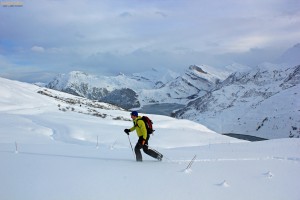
{"x":148,"y":123}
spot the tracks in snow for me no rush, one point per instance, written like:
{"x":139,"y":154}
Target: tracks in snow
{"x":294,"y":159}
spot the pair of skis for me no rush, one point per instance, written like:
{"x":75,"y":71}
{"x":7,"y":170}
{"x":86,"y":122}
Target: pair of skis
{"x":148,"y":147}
{"x":187,"y":168}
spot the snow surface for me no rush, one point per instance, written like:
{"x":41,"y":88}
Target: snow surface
{"x":51,"y":149}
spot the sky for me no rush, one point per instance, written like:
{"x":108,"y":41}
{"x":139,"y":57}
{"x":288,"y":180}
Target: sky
{"x":40,"y":38}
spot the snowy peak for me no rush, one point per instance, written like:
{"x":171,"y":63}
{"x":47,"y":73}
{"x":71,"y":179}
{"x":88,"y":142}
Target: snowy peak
{"x":156,"y":77}
{"x":117,"y":90}
{"x":78,"y":74}
{"x":292,"y":79}
{"x":252,"y":103}
{"x":193,"y":83}
{"x":266,"y":73}
{"x":197,"y":69}
{"x":196,"y":72}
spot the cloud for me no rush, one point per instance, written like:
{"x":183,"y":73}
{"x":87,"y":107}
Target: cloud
{"x":133,"y":35}
{"x":38,"y":49}
{"x":125,"y":14}
{"x":162,"y":14}
{"x":27,"y":73}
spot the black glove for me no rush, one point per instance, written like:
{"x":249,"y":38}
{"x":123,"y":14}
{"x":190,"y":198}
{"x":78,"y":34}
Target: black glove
{"x":127,"y":131}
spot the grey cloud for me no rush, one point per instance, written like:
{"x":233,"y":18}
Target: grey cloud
{"x":125,"y":14}
{"x":130,"y":35}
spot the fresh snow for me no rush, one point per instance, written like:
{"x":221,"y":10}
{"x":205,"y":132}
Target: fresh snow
{"x":58,"y":146}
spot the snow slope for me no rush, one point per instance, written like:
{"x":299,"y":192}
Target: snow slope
{"x":58,"y":146}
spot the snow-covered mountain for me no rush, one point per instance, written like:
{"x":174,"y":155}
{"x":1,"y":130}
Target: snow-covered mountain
{"x":155,"y":86}
{"x":262,"y":102}
{"x":102,"y":88}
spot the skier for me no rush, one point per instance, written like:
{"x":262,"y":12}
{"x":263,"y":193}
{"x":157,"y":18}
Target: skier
{"x":140,"y":127}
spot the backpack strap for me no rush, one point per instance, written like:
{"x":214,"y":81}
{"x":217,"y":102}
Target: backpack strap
{"x":138,"y":124}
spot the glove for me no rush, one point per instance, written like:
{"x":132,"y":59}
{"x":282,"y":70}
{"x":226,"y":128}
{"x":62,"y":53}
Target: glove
{"x":127,"y":131}
{"x":143,"y":142}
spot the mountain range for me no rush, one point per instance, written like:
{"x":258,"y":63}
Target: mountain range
{"x":261,"y":101}
{"x":134,"y":91}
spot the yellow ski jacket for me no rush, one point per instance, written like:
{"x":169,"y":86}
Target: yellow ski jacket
{"x":140,"y":127}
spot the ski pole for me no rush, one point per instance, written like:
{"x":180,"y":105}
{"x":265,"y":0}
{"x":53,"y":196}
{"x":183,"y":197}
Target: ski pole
{"x":191,"y":162}
{"x":131,"y":146}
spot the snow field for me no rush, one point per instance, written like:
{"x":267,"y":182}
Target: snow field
{"x":60,"y":171}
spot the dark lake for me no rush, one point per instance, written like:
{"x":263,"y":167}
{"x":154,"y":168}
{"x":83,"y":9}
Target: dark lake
{"x":245,"y":137}
{"x":161,"y":109}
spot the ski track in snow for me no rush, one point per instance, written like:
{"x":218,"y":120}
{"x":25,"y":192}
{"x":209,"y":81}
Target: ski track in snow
{"x":165,"y":160}
{"x":236,"y":159}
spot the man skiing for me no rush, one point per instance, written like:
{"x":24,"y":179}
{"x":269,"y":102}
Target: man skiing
{"x":140,"y":127}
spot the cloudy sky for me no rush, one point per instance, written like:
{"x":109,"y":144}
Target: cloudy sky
{"x":42,"y":37}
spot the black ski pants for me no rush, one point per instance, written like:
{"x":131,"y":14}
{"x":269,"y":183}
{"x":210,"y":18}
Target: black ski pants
{"x":145,"y":148}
